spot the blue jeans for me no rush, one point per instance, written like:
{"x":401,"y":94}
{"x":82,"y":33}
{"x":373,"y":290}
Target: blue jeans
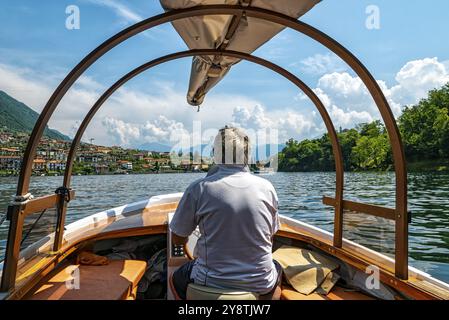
{"x":181,"y":279}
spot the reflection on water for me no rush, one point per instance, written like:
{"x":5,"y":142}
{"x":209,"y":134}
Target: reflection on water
{"x":300,"y":197}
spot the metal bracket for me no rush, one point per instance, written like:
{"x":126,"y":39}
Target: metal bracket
{"x":65,"y":192}
{"x":409,"y":217}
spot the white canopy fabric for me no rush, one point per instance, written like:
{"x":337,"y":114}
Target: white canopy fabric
{"x":244,"y":34}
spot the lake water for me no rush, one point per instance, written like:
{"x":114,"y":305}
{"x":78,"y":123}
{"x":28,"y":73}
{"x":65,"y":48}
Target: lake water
{"x":300,"y":197}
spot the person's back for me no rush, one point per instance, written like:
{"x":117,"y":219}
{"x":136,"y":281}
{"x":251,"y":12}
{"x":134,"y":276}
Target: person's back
{"x":236,"y":213}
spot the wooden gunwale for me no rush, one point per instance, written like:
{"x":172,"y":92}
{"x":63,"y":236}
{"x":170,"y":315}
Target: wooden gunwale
{"x":410,"y":288}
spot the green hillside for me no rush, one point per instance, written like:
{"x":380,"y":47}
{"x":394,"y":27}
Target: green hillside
{"x":16,"y":116}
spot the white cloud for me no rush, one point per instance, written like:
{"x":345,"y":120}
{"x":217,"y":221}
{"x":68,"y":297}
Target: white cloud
{"x":133,"y":117}
{"x":19,"y":83}
{"x":320,"y":64}
{"x":418,"y":77}
{"x":120,"y":9}
{"x":349,"y":102}
{"x":161,"y":130}
{"x":349,"y":118}
{"x":446,"y":64}
{"x":122,"y":132}
{"x":288,"y":123}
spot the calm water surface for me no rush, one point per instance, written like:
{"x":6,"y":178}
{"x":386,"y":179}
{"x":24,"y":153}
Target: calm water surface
{"x":300,"y":197}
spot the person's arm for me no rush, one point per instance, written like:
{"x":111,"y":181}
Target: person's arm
{"x":184,"y":222}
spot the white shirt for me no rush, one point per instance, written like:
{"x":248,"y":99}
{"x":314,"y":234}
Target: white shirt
{"x":236,"y":212}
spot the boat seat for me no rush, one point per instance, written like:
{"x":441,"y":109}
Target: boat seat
{"x":337,"y":293}
{"x":117,"y":280}
{"x":198,"y":292}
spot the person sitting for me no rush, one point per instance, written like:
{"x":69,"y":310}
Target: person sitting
{"x":237,"y":215}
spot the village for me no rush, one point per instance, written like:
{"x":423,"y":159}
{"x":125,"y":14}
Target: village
{"x":51,"y":158}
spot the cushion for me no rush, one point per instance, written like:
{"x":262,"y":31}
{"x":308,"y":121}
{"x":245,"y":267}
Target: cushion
{"x":114,"y":281}
{"x":307,"y":271}
{"x":198,"y":292}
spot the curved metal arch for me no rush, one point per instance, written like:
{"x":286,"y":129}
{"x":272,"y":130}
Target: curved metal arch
{"x":331,"y":44}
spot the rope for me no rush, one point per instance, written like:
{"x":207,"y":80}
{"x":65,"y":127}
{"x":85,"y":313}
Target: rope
{"x":21,"y":200}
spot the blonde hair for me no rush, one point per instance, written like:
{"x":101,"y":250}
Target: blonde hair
{"x":231,"y":146}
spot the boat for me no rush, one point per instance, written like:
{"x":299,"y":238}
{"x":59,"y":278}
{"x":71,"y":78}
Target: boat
{"x":95,"y":257}
{"x":264,"y":171}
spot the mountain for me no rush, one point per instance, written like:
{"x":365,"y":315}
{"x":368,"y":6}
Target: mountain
{"x":154,"y":146}
{"x":16,"y":116}
{"x":262,"y":152}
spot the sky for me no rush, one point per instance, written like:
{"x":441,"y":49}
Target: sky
{"x":406,"y":49}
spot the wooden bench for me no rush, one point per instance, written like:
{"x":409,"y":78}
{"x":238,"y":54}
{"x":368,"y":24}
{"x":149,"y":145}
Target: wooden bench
{"x":115,"y":281}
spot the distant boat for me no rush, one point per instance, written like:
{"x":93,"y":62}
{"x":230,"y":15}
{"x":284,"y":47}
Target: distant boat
{"x":264,"y":171}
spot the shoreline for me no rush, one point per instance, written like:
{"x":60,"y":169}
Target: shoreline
{"x":425,"y":166}
{"x":415,"y":170}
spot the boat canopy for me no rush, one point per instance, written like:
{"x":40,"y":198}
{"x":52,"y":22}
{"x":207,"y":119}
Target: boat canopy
{"x":236,"y":33}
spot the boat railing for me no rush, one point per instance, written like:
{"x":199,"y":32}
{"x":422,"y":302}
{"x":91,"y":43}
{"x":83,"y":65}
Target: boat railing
{"x":391,"y":214}
{"x":17,"y":213}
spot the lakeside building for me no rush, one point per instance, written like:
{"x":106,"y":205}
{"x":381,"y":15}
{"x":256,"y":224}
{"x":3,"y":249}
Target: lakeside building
{"x":10,"y":163}
{"x":51,"y":156}
{"x":10,"y":152}
{"x":127,"y":165}
{"x":55,"y":165}
{"x":157,"y":161}
{"x":139,"y":156}
{"x":39,"y":164}
{"x":101,"y":169}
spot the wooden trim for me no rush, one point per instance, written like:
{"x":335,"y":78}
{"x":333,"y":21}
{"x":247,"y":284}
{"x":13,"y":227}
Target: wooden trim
{"x":42,"y":272}
{"x":18,"y":215}
{"x":12,"y":252}
{"x":356,"y":207}
{"x":42,"y":203}
{"x":61,"y":215}
{"x":54,"y":260}
{"x":388,"y":278}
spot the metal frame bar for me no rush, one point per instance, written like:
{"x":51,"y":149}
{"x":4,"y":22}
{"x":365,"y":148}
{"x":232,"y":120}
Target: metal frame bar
{"x":401,"y":265}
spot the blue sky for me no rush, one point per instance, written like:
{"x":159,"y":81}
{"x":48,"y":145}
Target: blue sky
{"x":408,"y":55}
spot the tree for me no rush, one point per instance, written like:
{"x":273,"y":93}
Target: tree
{"x":348,"y":140}
{"x":425,"y":127}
